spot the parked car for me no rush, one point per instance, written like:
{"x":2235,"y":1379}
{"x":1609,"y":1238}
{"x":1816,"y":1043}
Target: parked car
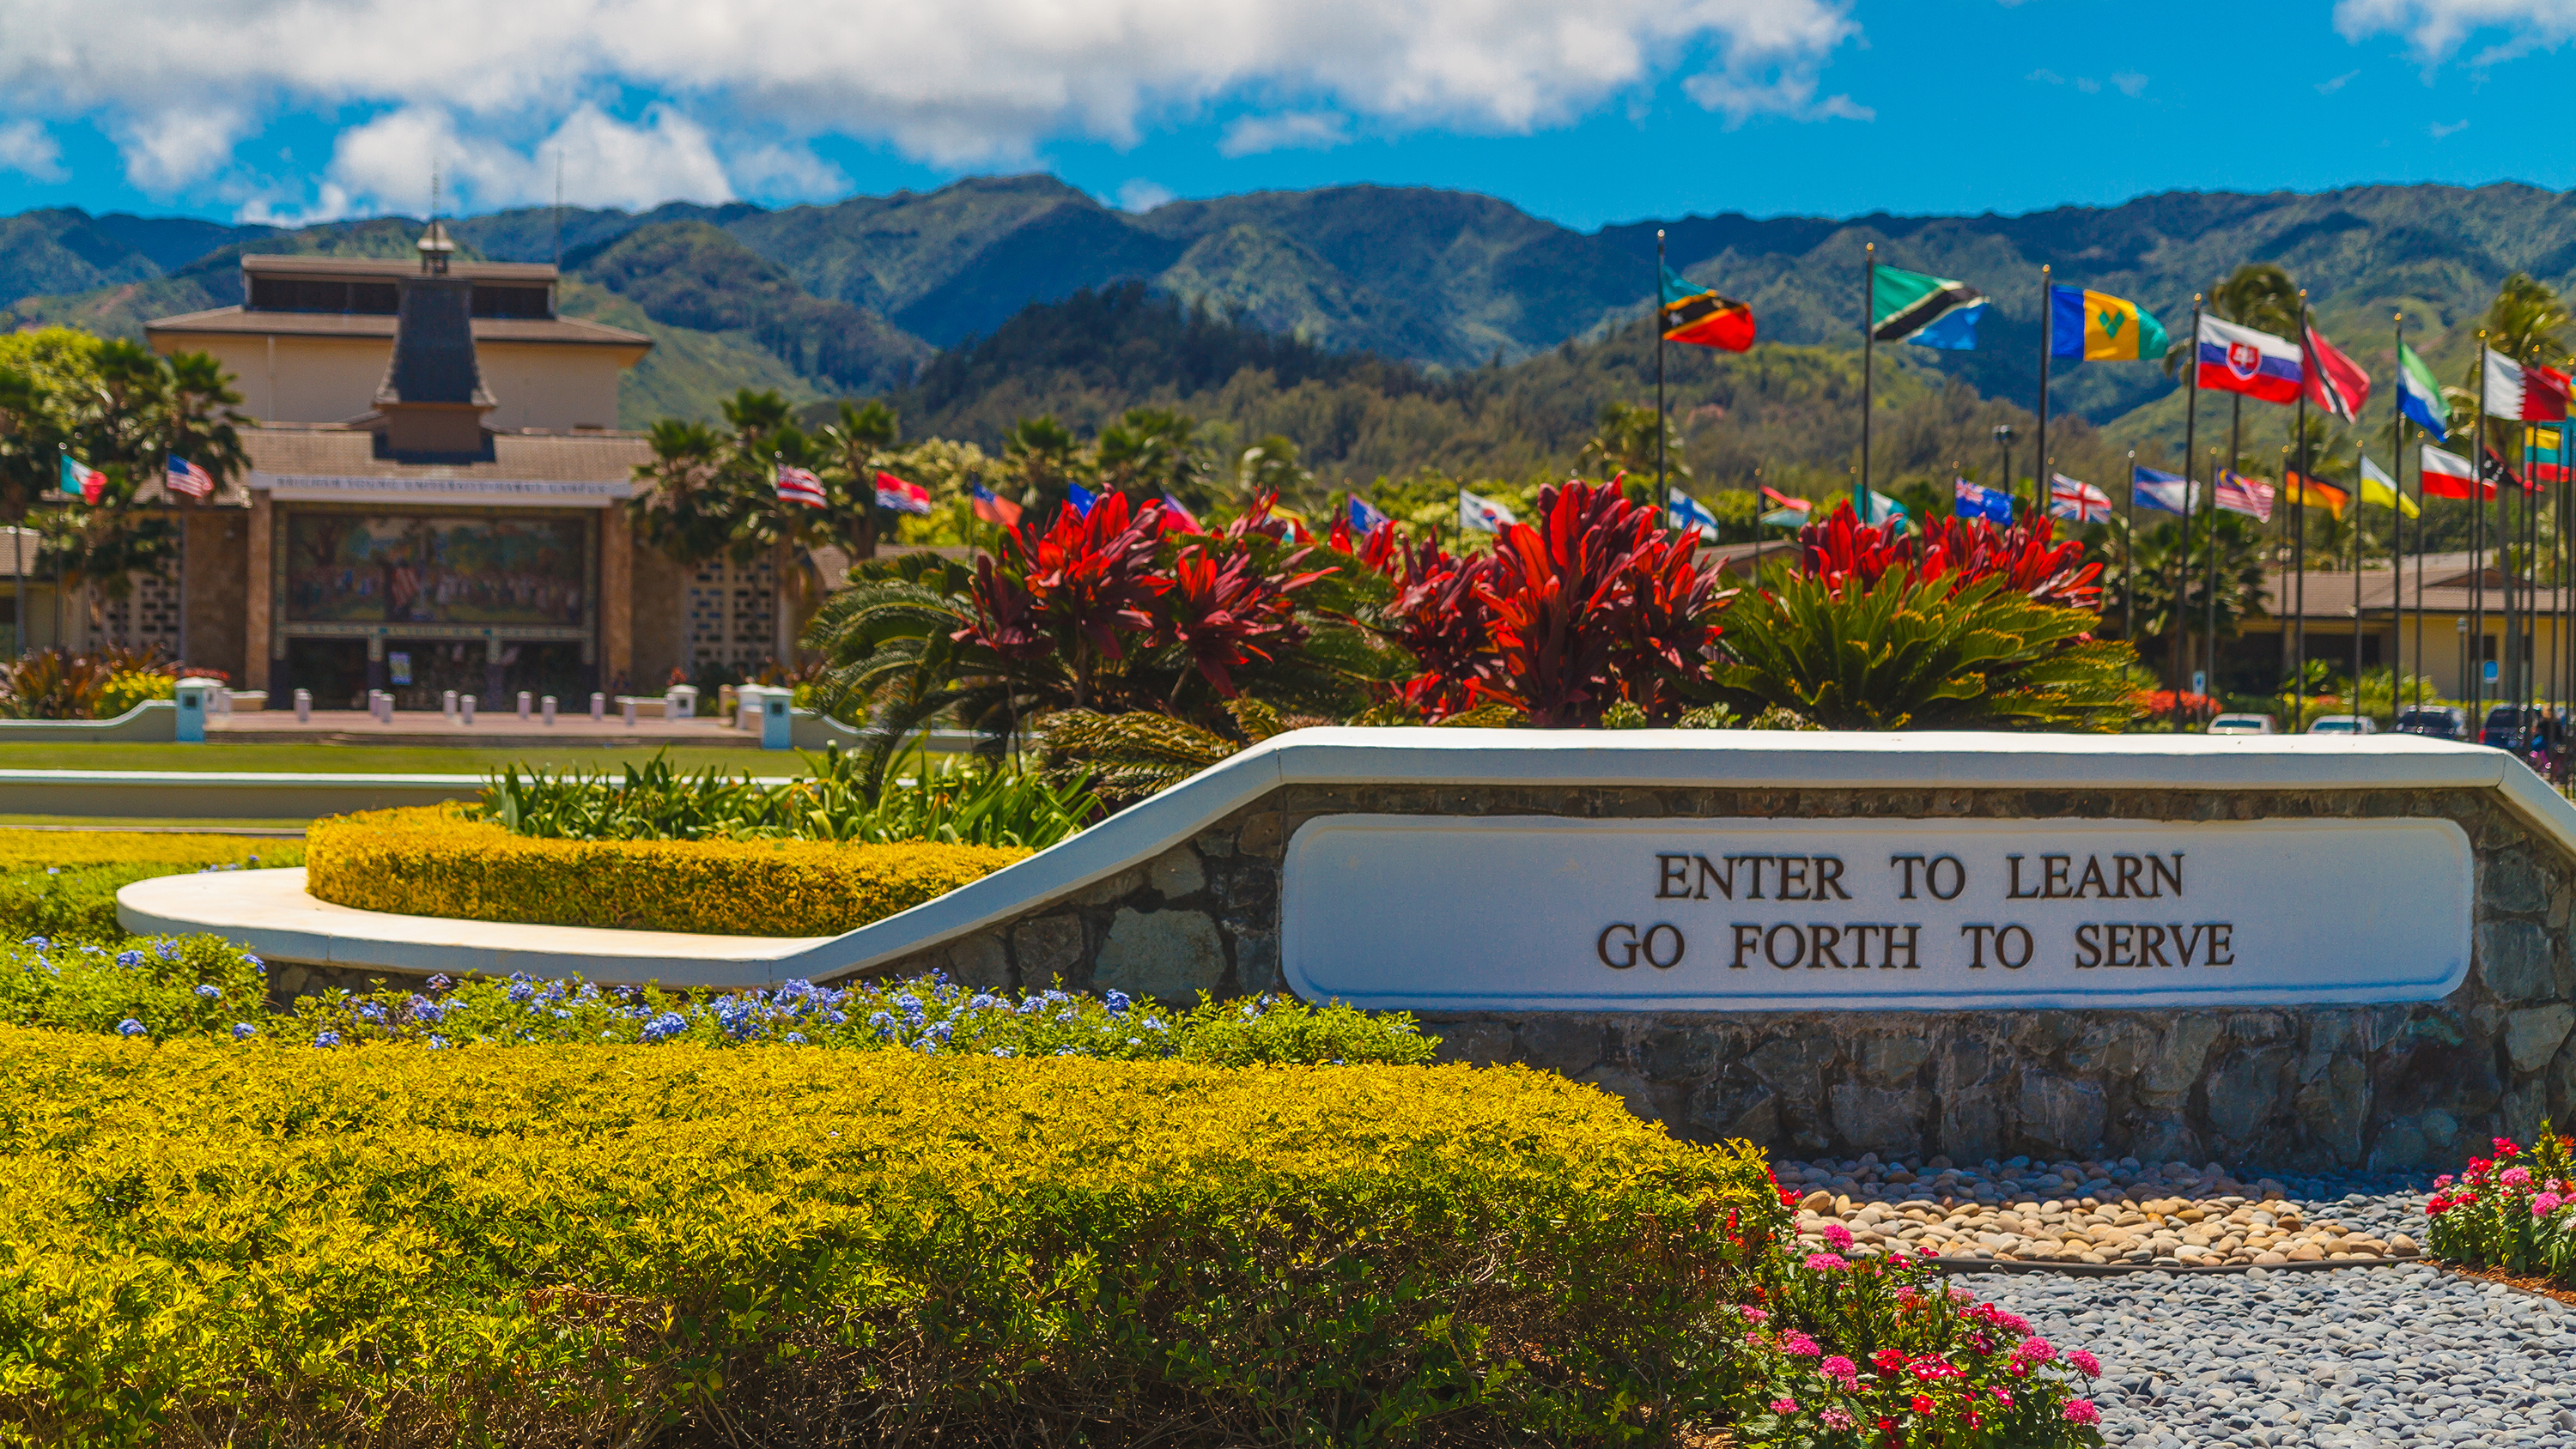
{"x":2511,"y":727}
{"x":2434,"y":721}
{"x":2244,"y":724}
{"x":2343,"y":724}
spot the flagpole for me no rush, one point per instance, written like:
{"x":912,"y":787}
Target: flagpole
{"x":2190,"y":416}
{"x":2299,"y":537}
{"x":2129,"y":557}
{"x":2399,"y":436}
{"x":2356,"y":599}
{"x":1868,"y":338}
{"x":2047,"y":345}
{"x":2477,"y":555}
{"x":1663,"y":490}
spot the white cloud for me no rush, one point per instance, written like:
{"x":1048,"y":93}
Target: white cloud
{"x":2329,"y":87}
{"x":1141,"y":195}
{"x":2088,"y":85}
{"x":2444,"y":130}
{"x":787,"y":172}
{"x":605,"y":162}
{"x":27,"y":148}
{"x":2046,"y":75}
{"x":1295,"y":131}
{"x":2437,"y":28}
{"x":951,"y":82}
{"x":2129,"y":83}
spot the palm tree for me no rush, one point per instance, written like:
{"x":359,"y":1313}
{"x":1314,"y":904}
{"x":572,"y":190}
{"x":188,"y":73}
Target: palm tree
{"x":1624,"y":442}
{"x":859,"y":442}
{"x":2526,"y":321}
{"x":1153,"y":451}
{"x":1045,"y":458}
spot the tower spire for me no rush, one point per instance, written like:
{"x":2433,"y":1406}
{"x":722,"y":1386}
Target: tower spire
{"x":435,"y":248}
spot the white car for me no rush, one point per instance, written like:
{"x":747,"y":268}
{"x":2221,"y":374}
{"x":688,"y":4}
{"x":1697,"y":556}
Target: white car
{"x":2244,"y":724}
{"x":2343,"y":724}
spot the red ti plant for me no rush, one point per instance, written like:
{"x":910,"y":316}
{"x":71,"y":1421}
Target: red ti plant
{"x":1227,"y":612}
{"x":1082,"y":589}
{"x":2027,"y":553}
{"x":1439,"y":616}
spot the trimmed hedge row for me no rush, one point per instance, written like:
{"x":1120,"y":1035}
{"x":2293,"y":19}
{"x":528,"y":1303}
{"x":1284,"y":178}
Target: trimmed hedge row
{"x":431,"y":860}
{"x":63,"y":883}
{"x":396,"y":1246}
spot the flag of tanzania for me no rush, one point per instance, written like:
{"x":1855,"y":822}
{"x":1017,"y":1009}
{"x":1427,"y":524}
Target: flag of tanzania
{"x":1699,"y":316}
{"x":2097,"y":327}
{"x":1915,"y":307}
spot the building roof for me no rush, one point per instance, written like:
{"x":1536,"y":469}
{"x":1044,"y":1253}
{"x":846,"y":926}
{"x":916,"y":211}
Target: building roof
{"x":2441,"y":587}
{"x":243,"y":322}
{"x":342,"y":269}
{"x":347,"y":451}
{"x":433,"y":359}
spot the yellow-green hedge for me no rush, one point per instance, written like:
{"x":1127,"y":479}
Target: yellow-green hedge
{"x":432,"y":861}
{"x":396,"y":1245}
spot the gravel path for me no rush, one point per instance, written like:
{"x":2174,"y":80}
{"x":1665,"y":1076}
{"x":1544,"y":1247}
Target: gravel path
{"x":2403,"y":1355}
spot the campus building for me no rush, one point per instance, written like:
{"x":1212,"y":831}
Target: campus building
{"x":438,"y":498}
{"x":2423,"y":622}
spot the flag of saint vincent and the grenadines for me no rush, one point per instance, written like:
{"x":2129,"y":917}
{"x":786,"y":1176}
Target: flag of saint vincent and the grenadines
{"x":1917,"y":307}
{"x":2088,"y":326}
{"x":2229,"y":358}
{"x":2165,"y":492}
{"x":2419,"y":395}
{"x":1699,"y":316}
{"x":1993,"y":505}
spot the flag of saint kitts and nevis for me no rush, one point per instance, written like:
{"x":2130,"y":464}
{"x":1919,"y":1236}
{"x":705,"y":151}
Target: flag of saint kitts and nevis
{"x":1699,"y":316}
{"x":2087,"y":326}
{"x":1917,"y":307}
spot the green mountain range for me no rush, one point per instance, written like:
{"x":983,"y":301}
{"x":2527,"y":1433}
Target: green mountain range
{"x":857,"y":296}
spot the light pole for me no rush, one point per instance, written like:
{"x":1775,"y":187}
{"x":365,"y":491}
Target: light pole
{"x":2003,"y":445}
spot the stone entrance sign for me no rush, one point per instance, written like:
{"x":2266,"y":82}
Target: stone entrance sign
{"x":1518,"y":913}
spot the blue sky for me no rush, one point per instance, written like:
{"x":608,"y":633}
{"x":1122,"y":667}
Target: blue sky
{"x":1610,"y":111}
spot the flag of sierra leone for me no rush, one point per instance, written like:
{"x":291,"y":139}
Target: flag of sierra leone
{"x":1915,"y":307}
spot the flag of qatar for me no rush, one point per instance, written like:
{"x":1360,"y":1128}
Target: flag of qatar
{"x":2239,"y":359}
{"x":2533,"y":394}
{"x":2335,"y":382}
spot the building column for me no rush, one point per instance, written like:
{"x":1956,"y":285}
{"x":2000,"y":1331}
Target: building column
{"x":259,"y":657}
{"x":616,"y":595}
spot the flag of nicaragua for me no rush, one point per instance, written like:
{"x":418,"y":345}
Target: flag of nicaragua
{"x":1991,"y":504}
{"x":1685,"y":514}
{"x":1482,"y":515}
{"x":2165,"y":492}
{"x":2077,"y":501}
{"x":2229,"y":358}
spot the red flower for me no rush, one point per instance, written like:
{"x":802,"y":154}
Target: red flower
{"x":1888,"y":1361}
{"x":2504,"y":1147}
{"x":1922,"y":1404}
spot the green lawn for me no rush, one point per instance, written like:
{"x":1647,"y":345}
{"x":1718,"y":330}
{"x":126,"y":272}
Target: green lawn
{"x":378,"y":759}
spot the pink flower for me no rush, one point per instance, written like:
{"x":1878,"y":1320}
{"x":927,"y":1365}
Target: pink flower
{"x":1784,"y":1406}
{"x":1841,"y":1370}
{"x":2545,"y":1204}
{"x":1839,"y":1236}
{"x":1799,"y":1345}
{"x":1753,"y":1314}
{"x":2034,"y":1349}
{"x":2445,"y":1180}
{"x":2081,"y":1411}
{"x":1824,"y":1263}
{"x":2003,"y":1396}
{"x":2515,"y":1177}
{"x":2085,"y":1364}
{"x":1836,"y":1419}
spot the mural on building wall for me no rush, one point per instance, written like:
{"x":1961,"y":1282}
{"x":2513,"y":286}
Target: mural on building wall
{"x":409,"y":569}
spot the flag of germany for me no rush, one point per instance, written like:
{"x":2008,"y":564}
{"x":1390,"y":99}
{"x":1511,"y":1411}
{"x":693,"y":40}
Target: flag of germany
{"x":1700,"y":317}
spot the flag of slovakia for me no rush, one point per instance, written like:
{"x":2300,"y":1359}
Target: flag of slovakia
{"x":2240,"y":359}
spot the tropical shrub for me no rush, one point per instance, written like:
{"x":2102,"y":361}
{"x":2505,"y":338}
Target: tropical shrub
{"x":955,"y":801}
{"x":435,"y":860}
{"x":159,"y":987}
{"x":2515,"y":1211}
{"x":1857,"y":1353}
{"x":62,"y":884}
{"x":394,"y":1246}
{"x":1964,"y":626}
